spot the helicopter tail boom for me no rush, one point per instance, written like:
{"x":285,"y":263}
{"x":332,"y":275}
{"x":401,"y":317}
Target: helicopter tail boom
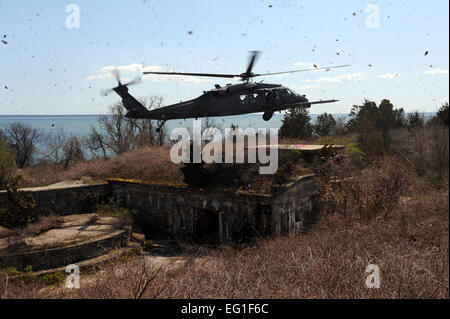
{"x":134,"y":107}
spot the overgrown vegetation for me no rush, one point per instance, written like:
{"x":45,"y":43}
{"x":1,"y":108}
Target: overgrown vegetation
{"x":7,"y":163}
{"x":18,"y":212}
{"x":383,"y":201}
{"x":296,"y":124}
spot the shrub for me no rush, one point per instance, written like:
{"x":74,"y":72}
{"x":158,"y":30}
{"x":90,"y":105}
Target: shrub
{"x":348,"y":190}
{"x":19,"y":211}
{"x":443,"y":115}
{"x":7,"y":163}
{"x":115,"y":208}
{"x":350,"y":144}
{"x":53,"y":279}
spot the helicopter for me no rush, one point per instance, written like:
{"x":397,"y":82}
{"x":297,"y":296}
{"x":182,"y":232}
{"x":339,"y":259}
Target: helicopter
{"x":232,"y":99}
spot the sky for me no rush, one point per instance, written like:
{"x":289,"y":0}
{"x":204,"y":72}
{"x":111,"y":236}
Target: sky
{"x":49,"y":64}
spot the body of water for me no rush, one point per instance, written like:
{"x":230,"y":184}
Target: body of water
{"x":79,"y":125}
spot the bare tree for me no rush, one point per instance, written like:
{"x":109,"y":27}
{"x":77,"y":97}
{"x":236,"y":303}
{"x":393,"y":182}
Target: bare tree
{"x":122,"y":134}
{"x":97,"y":143}
{"x":62,"y":150}
{"x":155,"y":137}
{"x":24,"y":139}
{"x":118,"y":129}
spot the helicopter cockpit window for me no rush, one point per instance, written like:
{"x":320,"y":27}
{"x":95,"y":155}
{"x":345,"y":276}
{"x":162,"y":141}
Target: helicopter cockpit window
{"x":248,"y":98}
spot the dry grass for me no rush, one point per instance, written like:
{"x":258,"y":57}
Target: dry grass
{"x":146,"y":163}
{"x":154,"y":164}
{"x":382,"y":214}
{"x":411,"y":247}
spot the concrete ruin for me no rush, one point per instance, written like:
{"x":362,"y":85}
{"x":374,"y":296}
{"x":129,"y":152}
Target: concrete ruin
{"x":178,"y":211}
{"x":79,"y":237}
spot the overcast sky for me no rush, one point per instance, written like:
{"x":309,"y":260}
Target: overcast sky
{"x":397,"y":50}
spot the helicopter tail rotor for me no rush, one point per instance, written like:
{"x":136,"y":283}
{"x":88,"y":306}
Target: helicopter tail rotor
{"x":120,"y":86}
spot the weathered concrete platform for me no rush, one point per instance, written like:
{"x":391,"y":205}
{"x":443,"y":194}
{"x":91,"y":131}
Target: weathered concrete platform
{"x":80,"y":237}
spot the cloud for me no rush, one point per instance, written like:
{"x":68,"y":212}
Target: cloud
{"x":105,"y":73}
{"x":436,"y":71}
{"x":340,"y":78}
{"x":304,"y":87}
{"x":309,"y":64}
{"x":388,"y":76}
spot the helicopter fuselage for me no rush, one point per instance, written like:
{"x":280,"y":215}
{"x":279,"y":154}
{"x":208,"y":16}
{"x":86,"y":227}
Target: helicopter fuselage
{"x":229,"y":100}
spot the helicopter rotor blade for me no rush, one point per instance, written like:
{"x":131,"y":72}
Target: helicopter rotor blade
{"x":116,"y":74}
{"x":133,"y":82}
{"x":303,"y":70}
{"x":248,"y":73}
{"x":215,"y":75}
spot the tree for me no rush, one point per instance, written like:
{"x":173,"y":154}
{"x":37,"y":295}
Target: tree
{"x":296,"y":124}
{"x":443,"y":115}
{"x":325,"y":123}
{"x":415,"y":120}
{"x":62,"y":150}
{"x":24,"y":139}
{"x":373,"y":123}
{"x":122,"y":134}
{"x":96,"y":143}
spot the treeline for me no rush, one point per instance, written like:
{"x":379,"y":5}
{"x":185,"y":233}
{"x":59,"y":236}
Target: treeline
{"x":371,"y":132}
{"x":116,"y":135}
{"x":379,"y":130}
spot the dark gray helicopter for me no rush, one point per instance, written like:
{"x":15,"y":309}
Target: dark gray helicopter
{"x":232,"y":99}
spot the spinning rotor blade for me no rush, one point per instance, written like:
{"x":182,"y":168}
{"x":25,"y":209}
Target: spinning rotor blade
{"x":248,"y":74}
{"x":133,"y":82}
{"x":116,"y":74}
{"x":215,"y":75}
{"x":304,"y":70}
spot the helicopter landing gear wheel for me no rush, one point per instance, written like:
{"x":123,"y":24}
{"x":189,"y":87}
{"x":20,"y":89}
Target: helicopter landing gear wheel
{"x":160,"y":125}
{"x":267,"y":116}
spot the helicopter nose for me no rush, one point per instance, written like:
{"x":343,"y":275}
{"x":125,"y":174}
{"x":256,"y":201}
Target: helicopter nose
{"x":302,"y":98}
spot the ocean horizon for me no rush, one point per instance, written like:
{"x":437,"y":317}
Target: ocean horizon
{"x":80,"y":124}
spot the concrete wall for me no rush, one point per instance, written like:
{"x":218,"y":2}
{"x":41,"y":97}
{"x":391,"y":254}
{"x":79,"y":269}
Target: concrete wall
{"x":62,"y":200}
{"x":206,"y":216}
{"x":163,"y":210}
{"x":290,"y":206}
